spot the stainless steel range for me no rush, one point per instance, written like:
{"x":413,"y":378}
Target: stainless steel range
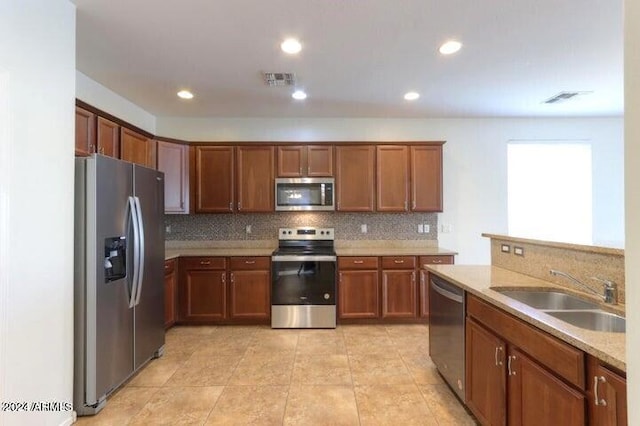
{"x":303,"y":292}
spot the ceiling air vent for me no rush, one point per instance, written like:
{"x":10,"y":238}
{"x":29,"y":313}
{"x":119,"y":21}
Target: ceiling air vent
{"x":565,"y":96}
{"x":275,"y":79}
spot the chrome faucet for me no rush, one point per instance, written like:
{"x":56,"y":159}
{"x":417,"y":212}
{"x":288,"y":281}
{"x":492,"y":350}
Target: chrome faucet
{"x":610,"y":289}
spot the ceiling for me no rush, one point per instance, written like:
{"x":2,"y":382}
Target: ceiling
{"x":359,"y":57}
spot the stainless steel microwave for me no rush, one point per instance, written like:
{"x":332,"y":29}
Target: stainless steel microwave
{"x":305,"y":194}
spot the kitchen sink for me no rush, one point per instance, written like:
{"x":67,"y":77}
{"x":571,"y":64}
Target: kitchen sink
{"x":548,"y":300}
{"x":596,"y":320}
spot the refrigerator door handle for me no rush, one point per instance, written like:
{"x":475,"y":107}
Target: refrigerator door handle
{"x":136,"y":255}
{"x":141,"y":254}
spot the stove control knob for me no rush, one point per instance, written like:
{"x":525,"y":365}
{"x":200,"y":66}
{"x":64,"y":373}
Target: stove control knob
{"x":321,"y":232}
{"x":289,"y":232}
{"x":326,"y":296}
{"x":284,"y":232}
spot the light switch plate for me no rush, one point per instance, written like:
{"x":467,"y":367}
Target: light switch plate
{"x":420,"y":228}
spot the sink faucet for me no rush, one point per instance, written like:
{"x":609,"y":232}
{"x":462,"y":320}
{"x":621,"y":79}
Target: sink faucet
{"x":610,"y":290}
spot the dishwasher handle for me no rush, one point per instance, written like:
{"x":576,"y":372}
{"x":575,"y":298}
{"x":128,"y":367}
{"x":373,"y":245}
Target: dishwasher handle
{"x":437,"y":287}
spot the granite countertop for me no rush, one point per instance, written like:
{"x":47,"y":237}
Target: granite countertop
{"x":481,"y":280}
{"x":394,"y":251}
{"x":218,"y":251}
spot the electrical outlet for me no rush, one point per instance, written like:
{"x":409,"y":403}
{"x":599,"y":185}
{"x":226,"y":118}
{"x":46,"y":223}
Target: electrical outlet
{"x":446,"y":228}
{"x":363,"y":228}
{"x":505,"y":248}
{"x":518,"y":251}
{"x":420,"y":228}
{"x":167,"y":229}
{"x":247,"y":229}
{"x":427,"y":228}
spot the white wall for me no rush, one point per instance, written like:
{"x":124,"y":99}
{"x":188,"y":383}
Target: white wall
{"x":475,"y":162}
{"x":37,"y":80}
{"x":632,"y":201}
{"x":97,"y":95}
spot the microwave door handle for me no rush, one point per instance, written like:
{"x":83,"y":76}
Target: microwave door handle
{"x":133,"y":217}
{"x":141,"y":250}
{"x":322,"y":195}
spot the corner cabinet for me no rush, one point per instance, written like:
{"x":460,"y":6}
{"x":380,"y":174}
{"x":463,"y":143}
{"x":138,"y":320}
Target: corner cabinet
{"x":355,"y":178}
{"x":173,"y":160}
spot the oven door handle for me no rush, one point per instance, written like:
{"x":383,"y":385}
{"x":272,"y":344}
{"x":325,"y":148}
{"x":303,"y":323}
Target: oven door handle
{"x":310,"y":258}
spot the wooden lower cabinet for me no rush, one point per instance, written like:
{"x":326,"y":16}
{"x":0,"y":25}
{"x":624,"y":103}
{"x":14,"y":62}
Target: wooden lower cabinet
{"x":250,"y":289}
{"x":170,"y":292}
{"x":423,"y":289}
{"x":399,"y":294}
{"x":358,"y":294}
{"x":515,"y":378}
{"x":606,"y":395}
{"x":203,"y":289}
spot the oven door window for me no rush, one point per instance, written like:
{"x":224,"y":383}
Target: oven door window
{"x":304,"y":283}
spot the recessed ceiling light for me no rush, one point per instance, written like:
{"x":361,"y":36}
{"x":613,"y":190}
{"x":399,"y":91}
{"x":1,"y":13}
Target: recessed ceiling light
{"x":291,"y":46}
{"x":411,"y":96}
{"x":185,"y":94}
{"x":299,"y":95}
{"x":450,"y":47}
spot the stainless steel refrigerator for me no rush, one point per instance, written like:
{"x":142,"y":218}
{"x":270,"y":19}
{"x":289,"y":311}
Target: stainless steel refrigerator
{"x":119,"y":287}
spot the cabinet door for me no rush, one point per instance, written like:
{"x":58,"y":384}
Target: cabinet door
{"x":538,"y":397}
{"x":392,"y":178}
{"x":319,"y":161}
{"x":358,"y":294}
{"x":355,"y":183}
{"x":170,"y":287}
{"x":255,"y":179}
{"x":85,"y":132}
{"x":426,"y":178}
{"x":173,"y":161}
{"x":423,"y":294}
{"x":485,"y":375}
{"x":399,"y":294}
{"x":611,"y":388}
{"x":108,"y":138}
{"x":214,"y":189}
{"x":250,"y":294}
{"x":135,"y":147}
{"x":205,"y":295}
{"x":291,"y":160}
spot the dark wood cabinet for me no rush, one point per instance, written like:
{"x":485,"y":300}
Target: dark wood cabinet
{"x":426,"y":178}
{"x":399,"y":290}
{"x":203,"y":289}
{"x":423,"y":290}
{"x":255,"y":180}
{"x":136,"y":148}
{"x":108,"y":137}
{"x":355,"y":178}
{"x":392,"y":178}
{"x":305,"y":160}
{"x":606,"y":395}
{"x":170,"y":292}
{"x":85,"y":132}
{"x":485,"y":375}
{"x":214,"y":179}
{"x":250,"y":288}
{"x":358,"y":287}
{"x":172,"y":159}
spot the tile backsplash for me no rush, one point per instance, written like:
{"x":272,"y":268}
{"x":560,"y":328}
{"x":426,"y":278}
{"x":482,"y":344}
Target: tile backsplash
{"x":264,"y":226}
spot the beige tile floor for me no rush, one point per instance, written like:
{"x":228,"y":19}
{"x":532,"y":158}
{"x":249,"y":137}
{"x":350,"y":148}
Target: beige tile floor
{"x":229,"y":375}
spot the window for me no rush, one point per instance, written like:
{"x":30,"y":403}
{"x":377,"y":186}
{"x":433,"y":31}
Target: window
{"x":550,"y":190}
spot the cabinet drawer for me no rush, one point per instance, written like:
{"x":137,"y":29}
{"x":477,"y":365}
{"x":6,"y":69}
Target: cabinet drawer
{"x":204,"y":263}
{"x":435,"y":260}
{"x":169,"y":266}
{"x":249,"y":263}
{"x":358,"y":262}
{"x":561,"y":358}
{"x":398,"y":262}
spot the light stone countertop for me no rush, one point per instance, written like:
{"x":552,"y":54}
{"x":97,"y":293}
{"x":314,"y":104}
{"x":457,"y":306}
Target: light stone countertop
{"x":394,"y":251}
{"x":480,"y":281}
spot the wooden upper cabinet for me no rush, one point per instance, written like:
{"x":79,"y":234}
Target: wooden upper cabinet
{"x":85,"y":132}
{"x":255,"y":178}
{"x":214,"y":179}
{"x":426,"y":178}
{"x":305,"y":160}
{"x":392,"y":183}
{"x":108,"y":136}
{"x":136,"y":148}
{"x":355,"y":183}
{"x":173,"y":161}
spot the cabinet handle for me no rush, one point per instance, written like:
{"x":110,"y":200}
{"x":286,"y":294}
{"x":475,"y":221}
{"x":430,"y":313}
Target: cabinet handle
{"x":358,"y":262}
{"x":224,"y":278}
{"x":301,"y":170}
{"x":405,"y":204}
{"x":207,"y":262}
{"x":92,"y":148}
{"x":437,"y":261}
{"x":340,"y":277}
{"x":239,"y":205}
{"x":413,"y":277}
{"x":498,"y":360}
{"x":421,"y":278}
{"x":249,"y":262}
{"x":231,"y":276}
{"x":398,"y":261}
{"x":101,"y":150}
{"x":231,"y":206}
{"x":413,"y":205}
{"x":599,"y":402}
{"x":166,"y":266}
{"x":511,"y":358}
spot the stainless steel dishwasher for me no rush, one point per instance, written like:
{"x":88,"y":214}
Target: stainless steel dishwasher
{"x":446,"y":332}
